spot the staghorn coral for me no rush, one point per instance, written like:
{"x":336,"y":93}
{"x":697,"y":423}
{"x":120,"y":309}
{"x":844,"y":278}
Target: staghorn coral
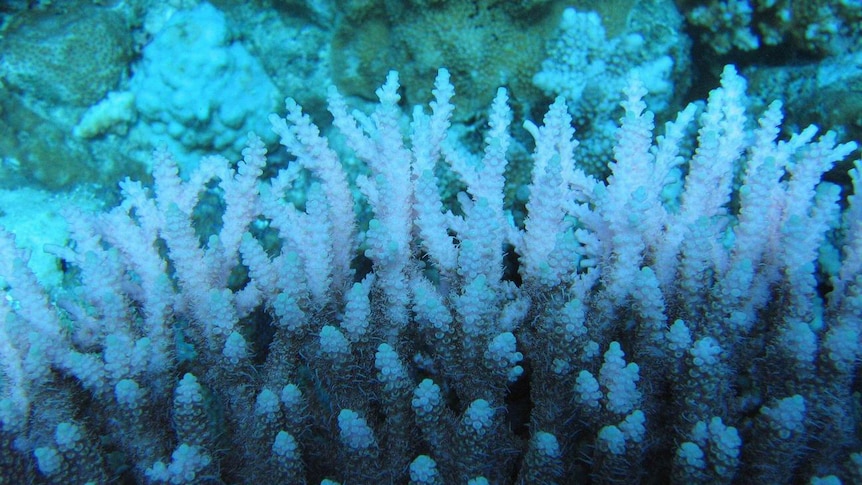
{"x":700,"y":335}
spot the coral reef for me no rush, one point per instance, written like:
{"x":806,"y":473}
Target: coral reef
{"x":694,"y":318}
{"x":414,"y":287}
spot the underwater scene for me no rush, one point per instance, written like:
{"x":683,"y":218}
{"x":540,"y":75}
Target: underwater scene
{"x":430,"y":242}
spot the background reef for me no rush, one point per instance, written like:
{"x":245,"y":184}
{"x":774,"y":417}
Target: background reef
{"x":81,"y":79}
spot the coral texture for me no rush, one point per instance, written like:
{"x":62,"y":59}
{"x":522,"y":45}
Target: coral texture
{"x":79,"y":66}
{"x":693,"y":318}
{"x":484,"y":43}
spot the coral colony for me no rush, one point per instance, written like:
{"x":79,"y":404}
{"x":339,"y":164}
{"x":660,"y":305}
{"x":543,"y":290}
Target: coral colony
{"x":673,"y":316}
{"x":671,"y":304}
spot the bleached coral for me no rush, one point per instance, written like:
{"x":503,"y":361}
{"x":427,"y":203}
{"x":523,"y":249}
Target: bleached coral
{"x":173,"y":339}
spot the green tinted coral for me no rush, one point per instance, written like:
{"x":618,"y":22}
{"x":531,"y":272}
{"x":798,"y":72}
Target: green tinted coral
{"x":72,"y":56}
